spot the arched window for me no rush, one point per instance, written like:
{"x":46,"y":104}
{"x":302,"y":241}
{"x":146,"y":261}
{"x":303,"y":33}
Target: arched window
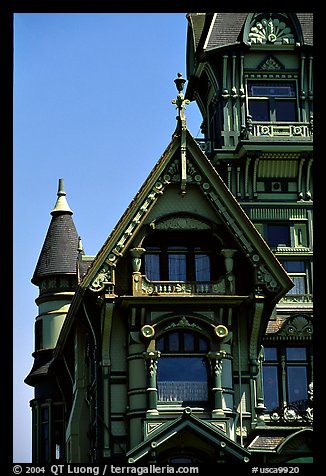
{"x":182,"y":372}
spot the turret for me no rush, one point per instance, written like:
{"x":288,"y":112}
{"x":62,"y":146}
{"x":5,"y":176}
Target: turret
{"x":56,"y":277}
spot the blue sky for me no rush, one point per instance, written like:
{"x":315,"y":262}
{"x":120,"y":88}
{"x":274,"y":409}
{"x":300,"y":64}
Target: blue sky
{"x":92,"y":105}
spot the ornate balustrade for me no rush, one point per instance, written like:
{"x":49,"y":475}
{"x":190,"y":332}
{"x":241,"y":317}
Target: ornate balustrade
{"x":143,"y":286}
{"x":297,"y":130}
{"x":295,"y":412}
{"x":302,"y":298}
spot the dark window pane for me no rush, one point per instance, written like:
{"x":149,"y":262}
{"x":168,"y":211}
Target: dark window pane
{"x":270,"y":353}
{"x":152,"y":266}
{"x":45,"y":414}
{"x":285,"y":111}
{"x":259,"y":110}
{"x":203,"y":346}
{"x":174,"y":342}
{"x":270,"y":379}
{"x":160,"y":344}
{"x":182,"y":379}
{"x":297,"y":383}
{"x":294,"y":266}
{"x":177,"y":267}
{"x":202,"y":267}
{"x":299,"y":285}
{"x":189,"y":342}
{"x":296,"y":353}
{"x":271,"y":89}
{"x":278,"y":235}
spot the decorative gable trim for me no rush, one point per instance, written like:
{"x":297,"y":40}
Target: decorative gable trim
{"x":271,"y":64}
{"x":160,"y":432}
{"x":198,"y":172}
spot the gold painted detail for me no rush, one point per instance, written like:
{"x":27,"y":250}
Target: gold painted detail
{"x":155,"y":288}
{"x":103,"y":278}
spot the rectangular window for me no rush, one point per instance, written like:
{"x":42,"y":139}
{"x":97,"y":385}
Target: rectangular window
{"x":202,"y":267}
{"x":291,"y":363}
{"x":182,"y":379}
{"x":297,"y":383}
{"x":177,"y":265}
{"x":152,"y":266}
{"x":278,"y":235}
{"x":271,"y":384}
{"x":272,"y":101}
{"x":297,"y":272}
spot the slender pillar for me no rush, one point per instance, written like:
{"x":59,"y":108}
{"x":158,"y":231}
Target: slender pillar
{"x":217,"y":368}
{"x":151,"y":357}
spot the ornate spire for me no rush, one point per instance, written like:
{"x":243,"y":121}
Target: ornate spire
{"x":181,"y":102}
{"x":60,"y":248}
{"x":61,"y":205}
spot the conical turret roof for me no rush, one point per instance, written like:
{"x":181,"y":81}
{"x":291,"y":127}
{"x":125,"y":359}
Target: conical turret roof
{"x":60,"y":248}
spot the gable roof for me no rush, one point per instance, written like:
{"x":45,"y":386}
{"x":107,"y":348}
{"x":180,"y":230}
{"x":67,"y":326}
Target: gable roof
{"x":206,"y":430}
{"x":201,"y":172}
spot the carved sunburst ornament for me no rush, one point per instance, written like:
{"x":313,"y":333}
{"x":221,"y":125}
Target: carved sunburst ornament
{"x":270,"y":30}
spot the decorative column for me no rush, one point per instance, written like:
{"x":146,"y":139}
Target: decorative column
{"x":260,"y":407}
{"x":151,"y":357}
{"x":228,"y":262}
{"x":217,"y":368}
{"x":136,"y":254}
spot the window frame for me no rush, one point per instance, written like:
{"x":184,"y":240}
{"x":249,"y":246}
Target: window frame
{"x":201,"y":345}
{"x":298,"y":233}
{"x":271,"y":100}
{"x":166,"y":244}
{"x":282,"y":364}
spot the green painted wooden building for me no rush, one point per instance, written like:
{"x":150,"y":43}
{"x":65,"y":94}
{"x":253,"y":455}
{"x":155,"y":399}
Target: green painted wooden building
{"x":188,"y":337}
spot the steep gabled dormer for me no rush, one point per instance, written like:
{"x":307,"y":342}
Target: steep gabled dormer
{"x":184,"y":279}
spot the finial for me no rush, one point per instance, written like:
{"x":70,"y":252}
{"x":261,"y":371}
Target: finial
{"x":180,"y":82}
{"x":180,"y":101}
{"x":80,"y":248}
{"x":61,"y":205}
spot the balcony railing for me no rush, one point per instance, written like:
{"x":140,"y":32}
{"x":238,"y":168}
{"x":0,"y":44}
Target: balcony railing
{"x":294,"y":298}
{"x":298,"y":130}
{"x":269,"y":131}
{"x":143,"y":286}
{"x":295,"y":412}
{"x":274,"y":130}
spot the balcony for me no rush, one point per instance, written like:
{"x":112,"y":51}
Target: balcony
{"x":264,"y":132}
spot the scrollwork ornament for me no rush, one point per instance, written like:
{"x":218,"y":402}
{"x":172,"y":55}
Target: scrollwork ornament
{"x":103,"y":277}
